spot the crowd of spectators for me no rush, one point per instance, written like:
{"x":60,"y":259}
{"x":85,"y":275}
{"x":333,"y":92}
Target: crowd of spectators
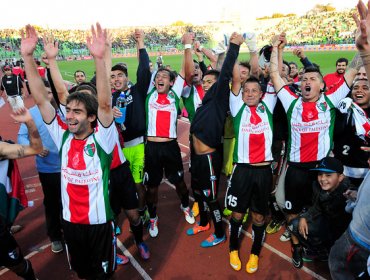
{"x":310,"y":29}
{"x":313,"y":29}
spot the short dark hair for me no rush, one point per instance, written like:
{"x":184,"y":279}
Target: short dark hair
{"x":120,"y":67}
{"x":253,"y":79}
{"x":245,"y":64}
{"x":171,"y":73}
{"x":287,"y":64}
{"x":212,"y":72}
{"x":314,"y":69}
{"x":74,"y":75}
{"x":292,"y":62}
{"x":340,"y":60}
{"x":87,"y":86}
{"x":90,"y":101}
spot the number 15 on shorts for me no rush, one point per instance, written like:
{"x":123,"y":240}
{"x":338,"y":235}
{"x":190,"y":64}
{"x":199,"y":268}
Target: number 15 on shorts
{"x":232,"y":200}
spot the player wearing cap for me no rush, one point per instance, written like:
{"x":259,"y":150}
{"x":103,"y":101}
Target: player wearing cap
{"x":326,"y":220}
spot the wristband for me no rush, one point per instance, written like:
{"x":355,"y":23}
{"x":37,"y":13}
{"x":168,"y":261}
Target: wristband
{"x":187,"y":46}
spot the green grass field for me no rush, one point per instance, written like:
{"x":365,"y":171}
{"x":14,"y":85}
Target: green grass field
{"x":326,"y":60}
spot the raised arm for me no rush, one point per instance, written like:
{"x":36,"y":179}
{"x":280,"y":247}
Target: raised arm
{"x":143,"y":74}
{"x":362,"y":43}
{"x":276,"y":79}
{"x":37,"y":87}
{"x":251,"y":41}
{"x":299,"y":52}
{"x":189,"y":67}
{"x":97,"y":44}
{"x":236,"y":81}
{"x":13,"y":151}
{"x":51,"y":51}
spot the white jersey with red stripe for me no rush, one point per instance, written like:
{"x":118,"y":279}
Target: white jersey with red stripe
{"x":192,"y":98}
{"x":85,"y":169}
{"x":162,"y":109}
{"x":118,"y":156}
{"x":253,"y":128}
{"x":311,"y":124}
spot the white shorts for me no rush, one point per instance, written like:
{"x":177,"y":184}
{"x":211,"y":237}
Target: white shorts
{"x":16,"y":102}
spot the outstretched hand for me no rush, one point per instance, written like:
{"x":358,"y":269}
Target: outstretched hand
{"x":28,"y":40}
{"x":97,"y":42}
{"x":363,"y":27}
{"x":51,"y":47}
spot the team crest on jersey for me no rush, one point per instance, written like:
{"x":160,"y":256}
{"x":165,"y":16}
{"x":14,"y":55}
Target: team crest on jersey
{"x":90,"y":149}
{"x":207,"y":193}
{"x":261,"y":108}
{"x":322,"y":106}
{"x":171,"y":94}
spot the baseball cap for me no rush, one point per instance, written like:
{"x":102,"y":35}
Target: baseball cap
{"x":329,"y":165}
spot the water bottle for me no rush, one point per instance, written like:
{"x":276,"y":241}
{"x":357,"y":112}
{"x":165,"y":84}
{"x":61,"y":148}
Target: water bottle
{"x":121,"y":105}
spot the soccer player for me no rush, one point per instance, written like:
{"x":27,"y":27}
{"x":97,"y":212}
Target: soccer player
{"x":207,"y":130}
{"x":162,"y":152}
{"x":12,"y":85}
{"x":311,"y":123}
{"x":86,"y":142}
{"x":134,"y":125}
{"x":251,"y":180}
{"x":332,"y":78}
{"x":10,"y":254}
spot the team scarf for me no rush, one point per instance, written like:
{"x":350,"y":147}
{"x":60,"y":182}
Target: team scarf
{"x":360,"y":118}
{"x":13,"y":197}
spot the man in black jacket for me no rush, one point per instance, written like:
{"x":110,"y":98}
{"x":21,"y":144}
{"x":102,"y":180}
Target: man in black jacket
{"x":206,"y":130}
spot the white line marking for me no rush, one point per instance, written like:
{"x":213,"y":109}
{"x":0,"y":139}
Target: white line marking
{"x":31,"y":177}
{"x":267,"y":246}
{"x":133,"y":261}
{"x":31,"y":254}
{"x":182,"y":145}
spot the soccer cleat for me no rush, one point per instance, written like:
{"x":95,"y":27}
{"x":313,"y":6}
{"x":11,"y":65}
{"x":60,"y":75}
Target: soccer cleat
{"x":252,"y":264}
{"x":212,"y":240}
{"x":188,"y":214}
{"x":235,"y":261}
{"x":153,"y":227}
{"x":144,"y":251}
{"x":297,"y":256}
{"x":285,"y":236}
{"x":197,"y":229}
{"x":274,"y":226}
{"x":227,"y":212}
{"x":309,"y":255}
{"x":121,"y":259}
{"x":56,"y":247}
{"x":195,"y":209}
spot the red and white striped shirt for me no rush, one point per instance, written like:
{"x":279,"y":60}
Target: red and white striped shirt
{"x":311,"y":124}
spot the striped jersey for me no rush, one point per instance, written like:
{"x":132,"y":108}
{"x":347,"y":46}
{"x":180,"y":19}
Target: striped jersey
{"x":85,"y":166}
{"x":162,"y":110}
{"x":311,"y":124}
{"x":253,"y":129}
{"x":192,"y":97}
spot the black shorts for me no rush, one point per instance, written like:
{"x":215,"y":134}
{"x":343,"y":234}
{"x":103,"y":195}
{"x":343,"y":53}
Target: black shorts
{"x":250,"y":187}
{"x":91,"y":248}
{"x":205,"y":173}
{"x":122,"y":193}
{"x":161,"y":156}
{"x":298,"y":186}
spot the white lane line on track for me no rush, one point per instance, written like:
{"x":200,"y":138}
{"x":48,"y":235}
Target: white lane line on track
{"x":267,"y":246}
{"x":31,"y":254}
{"x":31,"y":177}
{"x":133,"y":261}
